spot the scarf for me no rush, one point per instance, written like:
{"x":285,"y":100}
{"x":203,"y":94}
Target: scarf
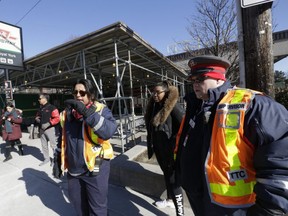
{"x":8,"y":125}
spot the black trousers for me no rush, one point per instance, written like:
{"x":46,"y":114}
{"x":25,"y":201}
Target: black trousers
{"x":89,"y":194}
{"x":164,"y":152}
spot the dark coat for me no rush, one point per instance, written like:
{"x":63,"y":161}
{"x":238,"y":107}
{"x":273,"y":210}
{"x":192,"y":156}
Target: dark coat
{"x":16,"y":127}
{"x":265,"y":127}
{"x":104,"y":126}
{"x":163,"y":121}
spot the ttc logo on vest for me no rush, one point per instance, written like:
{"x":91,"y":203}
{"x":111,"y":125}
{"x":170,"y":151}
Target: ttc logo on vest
{"x":237,"y":175}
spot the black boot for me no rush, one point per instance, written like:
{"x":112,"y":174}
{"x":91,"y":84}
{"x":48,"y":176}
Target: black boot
{"x":20,"y":146}
{"x":7,"y":158}
{"x":7,"y":152}
{"x":21,"y":152}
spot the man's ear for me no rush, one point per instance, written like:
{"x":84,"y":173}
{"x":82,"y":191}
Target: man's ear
{"x":220,"y":82}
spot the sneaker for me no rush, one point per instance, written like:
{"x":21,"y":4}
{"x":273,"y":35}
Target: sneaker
{"x":7,"y":158}
{"x":44,"y":162}
{"x":165,"y":203}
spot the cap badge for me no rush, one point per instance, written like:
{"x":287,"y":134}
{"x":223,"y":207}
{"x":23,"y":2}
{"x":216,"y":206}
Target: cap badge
{"x":191,"y":63}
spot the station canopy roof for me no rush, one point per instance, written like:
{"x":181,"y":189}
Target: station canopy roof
{"x":101,"y":55}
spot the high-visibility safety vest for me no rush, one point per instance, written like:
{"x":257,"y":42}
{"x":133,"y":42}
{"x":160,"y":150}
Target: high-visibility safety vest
{"x":93,"y":145}
{"x":229,"y":167}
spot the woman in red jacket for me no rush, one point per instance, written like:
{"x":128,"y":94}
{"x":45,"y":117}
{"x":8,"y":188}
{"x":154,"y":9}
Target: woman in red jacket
{"x":11,"y":130}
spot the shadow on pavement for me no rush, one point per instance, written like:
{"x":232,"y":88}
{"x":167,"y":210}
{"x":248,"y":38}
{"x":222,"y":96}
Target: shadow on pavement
{"x":51,"y":194}
{"x":27,"y":149}
{"x":132,"y":202}
{"x":33,"y":151}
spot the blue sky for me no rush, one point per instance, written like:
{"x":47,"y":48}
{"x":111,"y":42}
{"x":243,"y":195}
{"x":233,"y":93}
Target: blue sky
{"x":159,"y":22}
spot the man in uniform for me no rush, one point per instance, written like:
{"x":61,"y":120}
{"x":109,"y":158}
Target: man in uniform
{"x":233,"y":149}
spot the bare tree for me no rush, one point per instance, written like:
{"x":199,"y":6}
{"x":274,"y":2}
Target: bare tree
{"x":213,"y":29}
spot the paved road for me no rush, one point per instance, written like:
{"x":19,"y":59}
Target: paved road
{"x":28,"y":189}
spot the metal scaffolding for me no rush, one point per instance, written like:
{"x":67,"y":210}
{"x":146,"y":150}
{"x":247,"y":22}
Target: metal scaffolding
{"x":121,"y":64}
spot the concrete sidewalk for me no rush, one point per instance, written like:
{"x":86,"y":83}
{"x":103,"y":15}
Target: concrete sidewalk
{"x":28,"y":189}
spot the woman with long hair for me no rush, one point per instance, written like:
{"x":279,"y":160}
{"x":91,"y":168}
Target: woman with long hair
{"x":87,"y":125}
{"x":163,"y":117}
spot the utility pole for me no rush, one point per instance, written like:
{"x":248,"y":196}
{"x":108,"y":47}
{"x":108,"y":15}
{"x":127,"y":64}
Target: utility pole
{"x":240,"y":45}
{"x":258,"y":48}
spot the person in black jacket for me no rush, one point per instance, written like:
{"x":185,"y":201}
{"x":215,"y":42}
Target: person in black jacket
{"x":163,"y":117}
{"x":48,"y":118}
{"x":233,"y":147}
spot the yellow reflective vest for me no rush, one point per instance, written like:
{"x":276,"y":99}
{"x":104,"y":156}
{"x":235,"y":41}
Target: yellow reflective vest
{"x":229,"y":168}
{"x":93,"y":145}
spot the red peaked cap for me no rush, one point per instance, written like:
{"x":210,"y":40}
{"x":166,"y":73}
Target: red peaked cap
{"x":207,"y":65}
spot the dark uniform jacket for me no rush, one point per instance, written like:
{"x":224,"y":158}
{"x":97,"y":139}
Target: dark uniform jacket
{"x":103,"y":125}
{"x":265,"y":126}
{"x":48,"y":113}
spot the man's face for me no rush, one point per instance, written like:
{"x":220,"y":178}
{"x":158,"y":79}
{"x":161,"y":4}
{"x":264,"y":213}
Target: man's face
{"x":201,"y":85}
{"x":42,"y":100}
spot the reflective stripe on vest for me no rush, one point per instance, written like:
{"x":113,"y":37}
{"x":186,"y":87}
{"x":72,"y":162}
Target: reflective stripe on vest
{"x":90,"y":151}
{"x":229,"y":166}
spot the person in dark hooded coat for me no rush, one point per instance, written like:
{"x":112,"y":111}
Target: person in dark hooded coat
{"x":163,"y":117}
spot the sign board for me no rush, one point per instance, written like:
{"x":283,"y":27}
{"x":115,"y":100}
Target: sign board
{"x":9,"y":95}
{"x":11,"y":52}
{"x":250,"y":3}
{"x":8,"y":90}
{"x":7,"y":85}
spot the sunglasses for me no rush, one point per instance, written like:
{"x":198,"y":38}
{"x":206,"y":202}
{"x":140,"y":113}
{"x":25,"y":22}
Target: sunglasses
{"x":81,"y":92}
{"x":198,"y":80}
{"x":157,"y":92}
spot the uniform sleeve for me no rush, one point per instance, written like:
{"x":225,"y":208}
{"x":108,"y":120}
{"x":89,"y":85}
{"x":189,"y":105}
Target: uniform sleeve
{"x":178,"y":113}
{"x":104,"y":124}
{"x":266,"y":127}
